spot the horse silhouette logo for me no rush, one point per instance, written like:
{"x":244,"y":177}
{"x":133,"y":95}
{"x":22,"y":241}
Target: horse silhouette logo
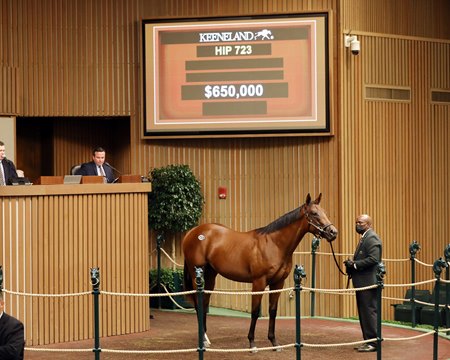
{"x":264,"y":34}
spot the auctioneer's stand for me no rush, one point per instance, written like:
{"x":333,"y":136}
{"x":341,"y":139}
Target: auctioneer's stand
{"x":50,"y":237}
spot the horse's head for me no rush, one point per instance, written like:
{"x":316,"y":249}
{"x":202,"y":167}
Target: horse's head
{"x":318,"y":221}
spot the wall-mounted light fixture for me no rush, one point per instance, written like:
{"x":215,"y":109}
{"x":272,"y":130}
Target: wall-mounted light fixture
{"x":352,"y":42}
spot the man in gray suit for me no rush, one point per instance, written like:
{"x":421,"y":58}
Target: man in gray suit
{"x":363,"y":270}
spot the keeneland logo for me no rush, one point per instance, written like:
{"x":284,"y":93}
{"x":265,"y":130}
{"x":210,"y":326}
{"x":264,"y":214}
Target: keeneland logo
{"x":264,"y":34}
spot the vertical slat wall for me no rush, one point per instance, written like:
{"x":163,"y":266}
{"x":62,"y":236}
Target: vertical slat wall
{"x":265,"y":178}
{"x":81,"y":58}
{"x":76,"y":58}
{"x":49,"y":243}
{"x":402,"y":17}
{"x":9,"y":90}
{"x":393,"y":153}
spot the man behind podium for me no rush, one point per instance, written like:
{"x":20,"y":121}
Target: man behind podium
{"x":7,"y":168}
{"x":11,"y":335}
{"x":98,"y":166}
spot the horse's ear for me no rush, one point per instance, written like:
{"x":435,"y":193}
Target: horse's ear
{"x":308,"y":199}
{"x":317,"y":201}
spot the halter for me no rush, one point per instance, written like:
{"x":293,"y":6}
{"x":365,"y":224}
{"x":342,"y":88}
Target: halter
{"x":321,"y":233}
{"x":317,"y":226}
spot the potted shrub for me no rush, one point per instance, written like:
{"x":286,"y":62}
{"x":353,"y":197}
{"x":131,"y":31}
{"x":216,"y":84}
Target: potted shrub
{"x":175,"y":205}
{"x":172,"y":280}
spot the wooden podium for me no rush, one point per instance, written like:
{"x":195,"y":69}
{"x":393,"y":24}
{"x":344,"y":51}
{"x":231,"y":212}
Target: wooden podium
{"x":49,"y":180}
{"x":129,"y":179}
{"x":52,"y":235}
{"x":92,"y":179}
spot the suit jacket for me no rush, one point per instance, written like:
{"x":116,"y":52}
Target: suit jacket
{"x":11,"y":338}
{"x":367,"y":257}
{"x":89,"y":169}
{"x":10,"y":170}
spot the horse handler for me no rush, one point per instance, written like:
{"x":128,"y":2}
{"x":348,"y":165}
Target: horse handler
{"x":363,"y":269}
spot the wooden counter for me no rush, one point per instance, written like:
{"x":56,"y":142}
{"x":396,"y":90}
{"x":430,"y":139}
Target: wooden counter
{"x":50,"y":237}
{"x":74,"y":189}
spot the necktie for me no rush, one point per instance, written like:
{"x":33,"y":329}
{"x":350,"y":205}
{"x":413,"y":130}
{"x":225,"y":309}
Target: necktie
{"x":2,"y":175}
{"x":103,"y":173}
{"x":357,"y":248}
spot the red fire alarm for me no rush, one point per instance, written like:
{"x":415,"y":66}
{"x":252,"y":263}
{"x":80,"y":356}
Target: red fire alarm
{"x":222,"y":192}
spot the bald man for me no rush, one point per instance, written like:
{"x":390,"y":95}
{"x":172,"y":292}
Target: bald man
{"x":11,"y":335}
{"x":363,"y":271}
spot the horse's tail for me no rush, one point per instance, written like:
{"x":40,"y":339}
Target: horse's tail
{"x":187,"y":280}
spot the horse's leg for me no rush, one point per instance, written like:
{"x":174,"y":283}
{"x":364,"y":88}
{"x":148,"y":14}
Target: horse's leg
{"x":256,"y":309}
{"x":210,"y":282}
{"x":273,"y":306}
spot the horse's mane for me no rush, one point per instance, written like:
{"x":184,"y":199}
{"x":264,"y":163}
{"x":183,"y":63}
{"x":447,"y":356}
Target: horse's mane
{"x":281,"y":222}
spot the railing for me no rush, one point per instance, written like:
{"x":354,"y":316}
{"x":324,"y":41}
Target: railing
{"x":299,"y":274}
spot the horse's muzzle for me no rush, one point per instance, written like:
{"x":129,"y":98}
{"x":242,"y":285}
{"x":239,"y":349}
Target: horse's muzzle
{"x":330,"y":233}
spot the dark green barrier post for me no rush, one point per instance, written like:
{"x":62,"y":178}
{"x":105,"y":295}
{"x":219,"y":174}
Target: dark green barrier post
{"x":381,"y":271}
{"x":438,"y":265}
{"x":447,"y":287}
{"x":95,"y":280}
{"x":1,"y":278}
{"x":159,"y":243}
{"x":314,"y":246}
{"x":299,"y":273}
{"x":200,"y":282}
{"x":413,"y":249}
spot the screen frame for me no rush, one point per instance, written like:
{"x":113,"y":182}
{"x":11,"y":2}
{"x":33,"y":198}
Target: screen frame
{"x":325,"y":128}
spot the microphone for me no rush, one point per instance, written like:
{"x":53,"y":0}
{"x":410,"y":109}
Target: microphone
{"x":112,"y":167}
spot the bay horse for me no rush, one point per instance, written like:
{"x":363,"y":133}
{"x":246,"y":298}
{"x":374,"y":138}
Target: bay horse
{"x":262,"y":257}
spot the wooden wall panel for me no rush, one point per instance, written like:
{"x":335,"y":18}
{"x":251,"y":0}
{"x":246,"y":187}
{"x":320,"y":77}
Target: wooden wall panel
{"x":9,"y":90}
{"x":81,"y":58}
{"x":392,"y":151}
{"x":48,"y":243}
{"x":265,"y":179}
{"x":76,"y":58}
{"x":399,"y":17}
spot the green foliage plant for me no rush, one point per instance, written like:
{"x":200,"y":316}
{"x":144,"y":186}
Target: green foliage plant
{"x":176,"y":200}
{"x":167,"y":277}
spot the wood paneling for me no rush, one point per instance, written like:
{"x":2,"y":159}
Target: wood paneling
{"x":76,"y":58}
{"x":52,"y":235}
{"x":9,"y":90}
{"x":81,"y":58}
{"x":265,"y":179}
{"x":400,"y":17}
{"x":392,"y":152}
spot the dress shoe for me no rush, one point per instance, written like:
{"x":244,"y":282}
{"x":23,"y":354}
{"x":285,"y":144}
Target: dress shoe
{"x":367,"y":348}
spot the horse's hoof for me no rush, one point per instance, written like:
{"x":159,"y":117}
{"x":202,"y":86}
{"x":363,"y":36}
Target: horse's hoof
{"x":254,"y":350}
{"x":206,"y":342}
{"x":277,"y":349}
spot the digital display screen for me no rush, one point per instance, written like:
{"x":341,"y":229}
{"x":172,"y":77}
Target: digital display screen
{"x":263,"y":75}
